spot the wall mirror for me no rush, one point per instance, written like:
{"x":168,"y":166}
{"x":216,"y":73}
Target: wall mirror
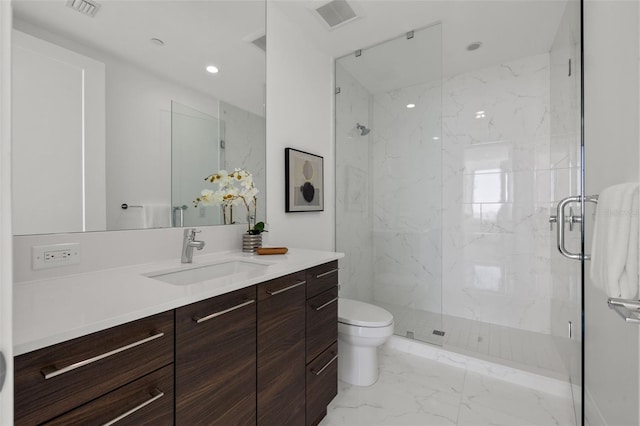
{"x":133,"y":103}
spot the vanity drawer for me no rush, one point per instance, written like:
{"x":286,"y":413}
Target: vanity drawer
{"x":322,"y":278}
{"x":322,"y":322}
{"x":56,"y":379}
{"x":322,"y":384}
{"x":146,"y":401}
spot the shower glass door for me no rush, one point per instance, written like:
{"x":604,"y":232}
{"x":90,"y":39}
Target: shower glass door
{"x":565,"y":176}
{"x":389,"y":174}
{"x":195,"y":153}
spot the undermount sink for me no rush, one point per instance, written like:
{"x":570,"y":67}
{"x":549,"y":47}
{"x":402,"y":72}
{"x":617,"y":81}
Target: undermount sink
{"x":211,"y":271}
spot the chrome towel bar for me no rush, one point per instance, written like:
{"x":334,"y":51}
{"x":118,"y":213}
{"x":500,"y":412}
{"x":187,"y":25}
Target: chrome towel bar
{"x":628,"y":309}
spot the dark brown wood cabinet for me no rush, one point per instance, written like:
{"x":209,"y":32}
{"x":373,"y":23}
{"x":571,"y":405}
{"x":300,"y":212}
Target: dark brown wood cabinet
{"x":281,"y":351}
{"x":265,"y":355}
{"x":62,"y":377}
{"x":321,"y":340}
{"x":216,"y":360}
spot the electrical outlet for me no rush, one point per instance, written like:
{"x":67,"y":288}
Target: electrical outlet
{"x":55,"y":255}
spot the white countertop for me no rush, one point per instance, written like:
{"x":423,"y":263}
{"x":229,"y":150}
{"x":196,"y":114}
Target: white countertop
{"x":46,"y":312}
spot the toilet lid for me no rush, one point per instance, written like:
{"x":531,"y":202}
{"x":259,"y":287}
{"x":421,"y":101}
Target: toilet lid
{"x":362,"y":314}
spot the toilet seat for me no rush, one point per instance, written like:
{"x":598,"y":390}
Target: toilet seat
{"x":355,"y":313}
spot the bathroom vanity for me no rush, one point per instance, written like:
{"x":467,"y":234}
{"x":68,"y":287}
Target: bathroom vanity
{"x":244,"y":346}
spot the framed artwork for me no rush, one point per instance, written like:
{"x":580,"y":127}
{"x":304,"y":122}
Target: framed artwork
{"x":304,"y":181}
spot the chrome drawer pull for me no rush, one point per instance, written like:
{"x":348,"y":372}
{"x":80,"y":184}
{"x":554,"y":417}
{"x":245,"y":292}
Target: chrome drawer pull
{"x":326,"y":273}
{"x":217,"y":314}
{"x":51,"y":372}
{"x":282,"y":290}
{"x":319,"y":372}
{"x":324,"y":305}
{"x":157,"y":394}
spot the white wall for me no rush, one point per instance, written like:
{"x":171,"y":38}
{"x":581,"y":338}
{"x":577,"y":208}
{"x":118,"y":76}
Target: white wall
{"x":611,"y":94}
{"x":113,"y":249}
{"x":6,"y":279}
{"x":300,"y":116}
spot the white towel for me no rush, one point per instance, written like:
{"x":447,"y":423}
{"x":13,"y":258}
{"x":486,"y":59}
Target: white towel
{"x":157,"y":215}
{"x":614,"y":251}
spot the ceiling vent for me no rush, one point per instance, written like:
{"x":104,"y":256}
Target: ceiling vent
{"x":261,"y":43}
{"x":86,"y":7}
{"x":336,"y":13}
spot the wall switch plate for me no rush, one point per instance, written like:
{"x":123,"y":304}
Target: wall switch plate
{"x":55,"y":255}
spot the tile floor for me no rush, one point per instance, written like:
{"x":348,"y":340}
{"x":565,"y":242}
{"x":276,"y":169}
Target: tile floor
{"x":416,"y":391}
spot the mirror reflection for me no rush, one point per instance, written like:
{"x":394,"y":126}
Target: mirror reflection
{"x":117,"y":103}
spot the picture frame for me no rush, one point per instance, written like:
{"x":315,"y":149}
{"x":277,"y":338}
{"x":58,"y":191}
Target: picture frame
{"x":304,"y":181}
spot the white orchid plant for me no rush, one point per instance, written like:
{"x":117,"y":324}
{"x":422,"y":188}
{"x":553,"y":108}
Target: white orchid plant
{"x":235,"y":188}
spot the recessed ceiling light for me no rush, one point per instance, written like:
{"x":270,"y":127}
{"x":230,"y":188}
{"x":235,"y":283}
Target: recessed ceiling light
{"x":212,"y":69}
{"x":411,"y":106}
{"x":157,"y":42}
{"x":480,"y":114}
{"x":436,"y":138}
{"x":474,"y":46}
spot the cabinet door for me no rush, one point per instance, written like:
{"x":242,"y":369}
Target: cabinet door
{"x":216,"y":360}
{"x":281,"y":351}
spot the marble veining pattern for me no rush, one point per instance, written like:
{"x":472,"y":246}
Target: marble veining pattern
{"x":407,"y":196}
{"x":413,"y":390}
{"x":497,"y":179}
{"x":475,"y":242}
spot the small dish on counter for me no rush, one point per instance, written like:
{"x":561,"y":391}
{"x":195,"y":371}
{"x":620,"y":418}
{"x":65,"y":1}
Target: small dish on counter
{"x":272,"y":250}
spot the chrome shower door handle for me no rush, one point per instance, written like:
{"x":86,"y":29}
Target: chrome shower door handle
{"x":561,"y":220}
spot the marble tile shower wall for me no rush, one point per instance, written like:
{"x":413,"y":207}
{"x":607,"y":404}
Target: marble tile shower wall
{"x":470,"y":210}
{"x":497,"y":179}
{"x":407,"y":197}
{"x":353,"y":200}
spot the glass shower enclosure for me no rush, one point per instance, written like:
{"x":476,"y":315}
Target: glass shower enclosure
{"x":450,"y":162}
{"x":389,"y":170}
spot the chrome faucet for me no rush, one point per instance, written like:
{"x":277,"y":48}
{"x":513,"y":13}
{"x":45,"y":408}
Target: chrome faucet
{"x":189,"y":242}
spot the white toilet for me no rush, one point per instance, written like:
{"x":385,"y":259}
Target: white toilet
{"x":362,"y":327}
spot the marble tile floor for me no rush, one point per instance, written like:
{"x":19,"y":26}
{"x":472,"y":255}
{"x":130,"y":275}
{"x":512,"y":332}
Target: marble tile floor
{"x":526,"y":350}
{"x":413,"y":390}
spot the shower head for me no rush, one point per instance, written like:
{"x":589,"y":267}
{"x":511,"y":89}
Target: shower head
{"x":363,"y":129}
